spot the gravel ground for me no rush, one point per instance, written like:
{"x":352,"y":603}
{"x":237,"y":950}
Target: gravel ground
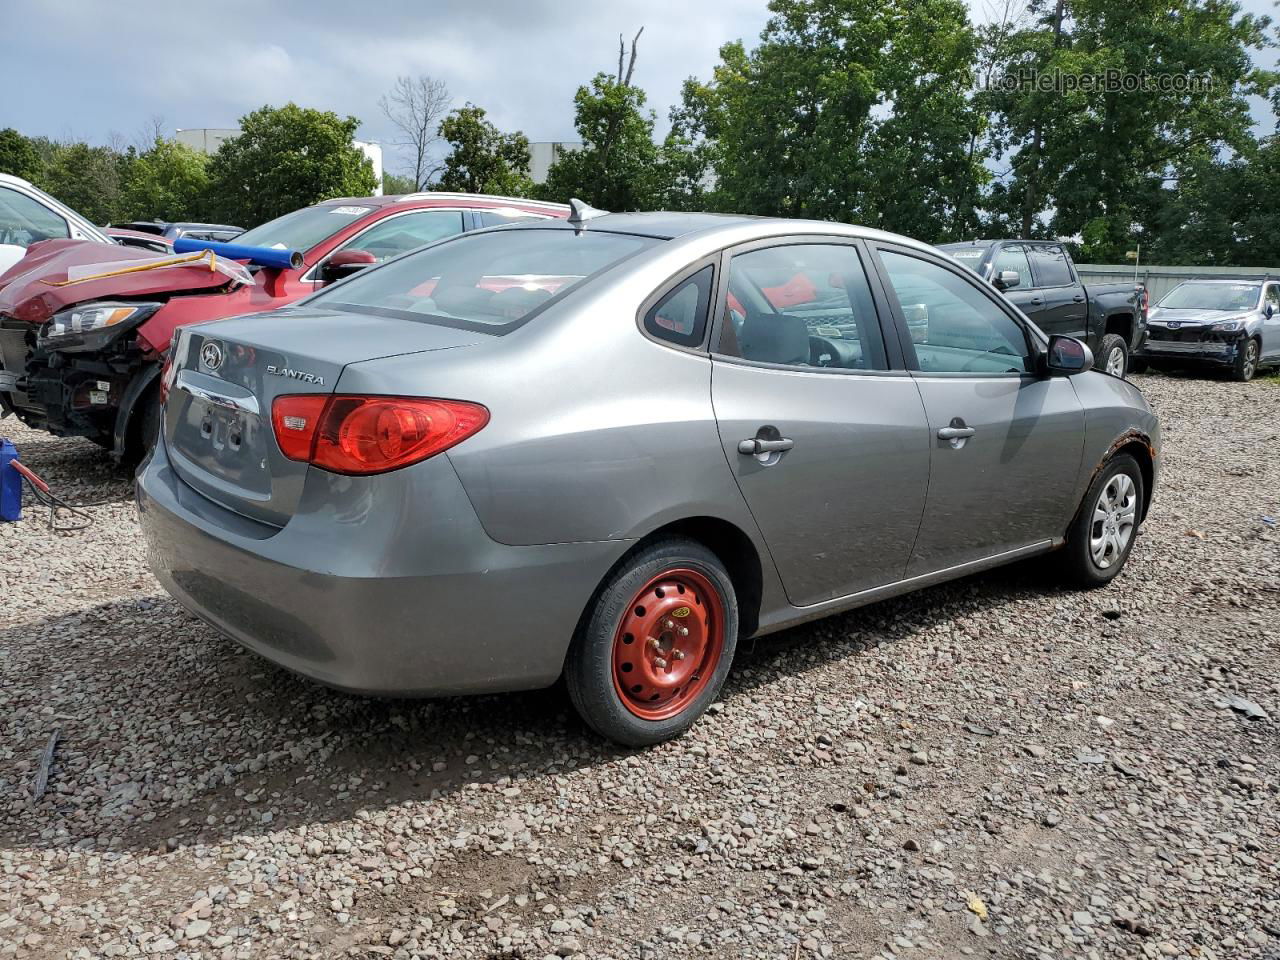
{"x":993,"y":767}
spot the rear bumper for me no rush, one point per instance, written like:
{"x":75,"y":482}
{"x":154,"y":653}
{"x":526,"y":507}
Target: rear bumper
{"x":390,"y":590}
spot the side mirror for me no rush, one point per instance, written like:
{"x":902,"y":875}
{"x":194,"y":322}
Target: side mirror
{"x":344,"y":263}
{"x":1271,"y":310}
{"x":1006,"y":280}
{"x":1066,"y":356}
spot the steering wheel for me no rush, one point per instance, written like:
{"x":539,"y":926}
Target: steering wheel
{"x":822,"y":352}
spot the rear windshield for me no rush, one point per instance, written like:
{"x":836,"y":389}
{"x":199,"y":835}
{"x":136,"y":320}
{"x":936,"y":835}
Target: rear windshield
{"x":1212,"y":296}
{"x":303,"y":229}
{"x":966,"y":254}
{"x":483,"y":281}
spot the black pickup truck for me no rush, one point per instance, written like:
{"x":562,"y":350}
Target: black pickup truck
{"x":1039,"y":277}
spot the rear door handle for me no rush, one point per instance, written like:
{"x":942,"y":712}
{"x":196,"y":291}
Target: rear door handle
{"x":755,"y":446}
{"x":1078,"y":298}
{"x":1037,"y":301}
{"x":955,"y":433}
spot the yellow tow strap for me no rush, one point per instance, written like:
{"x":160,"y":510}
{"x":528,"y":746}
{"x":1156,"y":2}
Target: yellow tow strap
{"x":150,"y":265}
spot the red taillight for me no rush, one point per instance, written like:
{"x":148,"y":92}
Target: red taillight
{"x":362,"y":435}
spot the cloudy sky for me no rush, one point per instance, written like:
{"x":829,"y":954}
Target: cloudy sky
{"x":90,"y":68}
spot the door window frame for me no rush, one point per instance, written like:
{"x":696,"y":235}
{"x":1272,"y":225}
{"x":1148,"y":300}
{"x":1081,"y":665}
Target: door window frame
{"x":896,"y":367}
{"x":1037,"y":343}
{"x":1026,"y":255}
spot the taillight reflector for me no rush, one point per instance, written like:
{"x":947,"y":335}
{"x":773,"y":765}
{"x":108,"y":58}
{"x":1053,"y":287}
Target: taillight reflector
{"x":363,"y":435}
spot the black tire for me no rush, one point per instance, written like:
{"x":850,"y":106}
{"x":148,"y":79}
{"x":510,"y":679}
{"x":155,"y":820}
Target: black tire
{"x":589,"y":668}
{"x":1137,"y":365}
{"x":144,"y":427}
{"x":1113,"y":348}
{"x":1246,"y":365}
{"x":1076,"y":560}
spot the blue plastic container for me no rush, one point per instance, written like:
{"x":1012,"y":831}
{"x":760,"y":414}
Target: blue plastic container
{"x":10,"y":482}
{"x":262,"y":256}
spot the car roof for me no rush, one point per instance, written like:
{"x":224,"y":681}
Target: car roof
{"x":1223,"y":280}
{"x":445,"y":196}
{"x":737,"y":228}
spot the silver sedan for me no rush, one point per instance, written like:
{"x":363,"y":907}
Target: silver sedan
{"x":610,"y":447}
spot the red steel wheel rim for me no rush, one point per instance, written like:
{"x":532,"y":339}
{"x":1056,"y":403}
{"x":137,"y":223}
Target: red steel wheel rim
{"x":668,"y":644}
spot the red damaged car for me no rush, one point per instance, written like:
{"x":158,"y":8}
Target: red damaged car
{"x":84,"y":329}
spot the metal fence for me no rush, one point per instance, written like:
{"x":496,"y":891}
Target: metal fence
{"x":1160,"y":280}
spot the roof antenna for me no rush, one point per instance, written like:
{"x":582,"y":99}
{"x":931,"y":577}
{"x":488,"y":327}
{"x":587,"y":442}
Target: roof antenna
{"x":580,"y":212}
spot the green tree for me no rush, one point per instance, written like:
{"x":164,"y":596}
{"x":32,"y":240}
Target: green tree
{"x":1087,"y":161}
{"x":169,"y":181}
{"x":18,"y":156}
{"x":855,"y":110}
{"x":285,"y":158}
{"x":483,"y":159}
{"x":394,"y":183}
{"x":87,"y":179}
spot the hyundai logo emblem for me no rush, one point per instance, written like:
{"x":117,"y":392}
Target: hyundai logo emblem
{"x":211,"y":354}
{"x":1174,"y":324}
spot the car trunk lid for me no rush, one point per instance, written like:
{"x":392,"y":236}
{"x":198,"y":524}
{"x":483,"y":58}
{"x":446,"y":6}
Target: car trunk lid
{"x":226,"y":375}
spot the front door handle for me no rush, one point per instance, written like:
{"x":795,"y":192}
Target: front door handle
{"x":1078,"y":298}
{"x":955,"y":433}
{"x":1037,"y":300}
{"x":755,"y":446}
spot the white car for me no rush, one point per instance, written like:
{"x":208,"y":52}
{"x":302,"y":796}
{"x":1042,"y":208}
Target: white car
{"x":28,"y":215}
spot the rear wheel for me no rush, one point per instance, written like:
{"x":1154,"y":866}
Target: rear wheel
{"x":1246,"y":364}
{"x":1102,"y":534}
{"x":1114,"y":355}
{"x":656,"y":646}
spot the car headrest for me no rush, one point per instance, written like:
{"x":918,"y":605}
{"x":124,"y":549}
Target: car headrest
{"x":774,"y":338}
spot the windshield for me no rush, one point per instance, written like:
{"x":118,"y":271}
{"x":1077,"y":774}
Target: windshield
{"x":966,"y":254}
{"x":303,"y":229}
{"x":483,"y":281}
{"x":1213,"y":296}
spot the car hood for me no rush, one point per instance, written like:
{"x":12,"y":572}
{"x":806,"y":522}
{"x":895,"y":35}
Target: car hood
{"x":28,"y":290}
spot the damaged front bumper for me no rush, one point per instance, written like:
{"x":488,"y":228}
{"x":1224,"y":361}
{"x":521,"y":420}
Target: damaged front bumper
{"x":1191,"y":346}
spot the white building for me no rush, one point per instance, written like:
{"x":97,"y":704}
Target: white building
{"x":209,"y":139}
{"x":544,"y":153}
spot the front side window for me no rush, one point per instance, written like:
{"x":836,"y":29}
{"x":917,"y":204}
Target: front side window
{"x":1050,"y":264}
{"x":23,"y":221}
{"x":802,"y":305}
{"x":1014,"y":257}
{"x":681,"y":315}
{"x":955,"y":327}
{"x":1273,"y":296}
{"x":408,"y":231}
{"x":483,"y":281}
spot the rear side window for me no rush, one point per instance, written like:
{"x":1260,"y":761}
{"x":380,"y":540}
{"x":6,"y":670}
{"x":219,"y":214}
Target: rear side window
{"x":405,"y":232}
{"x":483,"y":281}
{"x":802,"y":305}
{"x":1050,"y":265}
{"x":498,"y":218}
{"x":681,"y":315}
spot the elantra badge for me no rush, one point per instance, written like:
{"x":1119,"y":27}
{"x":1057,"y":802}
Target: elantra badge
{"x":295,"y":374}
{"x":211,"y":354}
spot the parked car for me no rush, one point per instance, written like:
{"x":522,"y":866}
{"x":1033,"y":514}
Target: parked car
{"x":218,"y":232}
{"x":610,"y":447}
{"x":29,"y":215}
{"x":84,"y":359}
{"x":1233,"y":324}
{"x":1040,"y":278}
